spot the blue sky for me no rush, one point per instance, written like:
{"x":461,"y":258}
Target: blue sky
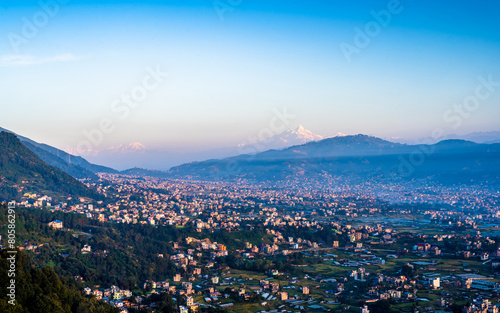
{"x":227,"y":75}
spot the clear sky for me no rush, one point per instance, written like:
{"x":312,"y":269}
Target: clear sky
{"x":64,"y":67}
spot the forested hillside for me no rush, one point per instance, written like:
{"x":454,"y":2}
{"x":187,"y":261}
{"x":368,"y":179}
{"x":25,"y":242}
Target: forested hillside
{"x":40,"y":290}
{"x":122,"y":254}
{"x":22,"y":171}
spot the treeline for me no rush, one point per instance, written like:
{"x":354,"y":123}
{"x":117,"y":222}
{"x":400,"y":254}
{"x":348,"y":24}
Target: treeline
{"x":325,"y":236}
{"x":124,"y":255}
{"x":263,"y":265}
{"x":40,"y":290}
{"x":129,"y":254}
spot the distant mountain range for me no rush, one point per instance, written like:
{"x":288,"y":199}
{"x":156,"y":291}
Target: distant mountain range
{"x":23,"y":171}
{"x":356,"y":157}
{"x":477,"y":137}
{"x":314,"y":157}
{"x":132,"y":154}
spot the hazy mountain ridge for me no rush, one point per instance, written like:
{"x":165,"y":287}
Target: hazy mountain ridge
{"x":358,"y":156}
{"x":51,"y":159}
{"x":488,"y":137}
{"x":337,"y":146}
{"x":75,"y":166}
{"x":142,"y":172}
{"x":21,"y":170}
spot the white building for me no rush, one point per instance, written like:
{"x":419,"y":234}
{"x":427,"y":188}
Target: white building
{"x":435,"y":283}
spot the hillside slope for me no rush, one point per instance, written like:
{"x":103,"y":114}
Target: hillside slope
{"x":22,"y":171}
{"x":75,"y":166}
{"x":41,"y":290}
{"x":357,"y":157}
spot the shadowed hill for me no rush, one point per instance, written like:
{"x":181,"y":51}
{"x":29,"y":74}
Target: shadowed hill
{"x":42,"y":291}
{"x":75,"y":166}
{"x":357,"y":157}
{"x":22,"y":171}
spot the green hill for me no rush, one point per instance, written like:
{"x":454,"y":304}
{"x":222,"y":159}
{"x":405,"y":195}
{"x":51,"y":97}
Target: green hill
{"x":41,"y":290}
{"x":75,"y":166}
{"x":55,"y":161}
{"x":22,"y":171}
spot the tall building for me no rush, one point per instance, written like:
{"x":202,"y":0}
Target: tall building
{"x":284,"y":296}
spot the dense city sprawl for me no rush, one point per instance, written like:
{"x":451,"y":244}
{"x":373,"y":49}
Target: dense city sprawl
{"x":225,"y":246}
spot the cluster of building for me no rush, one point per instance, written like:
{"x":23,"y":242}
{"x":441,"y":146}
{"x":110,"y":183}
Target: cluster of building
{"x":365,"y":235}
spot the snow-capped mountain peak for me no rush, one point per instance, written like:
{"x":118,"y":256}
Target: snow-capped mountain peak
{"x":299,"y":134}
{"x":133,"y":147}
{"x":291,"y":137}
